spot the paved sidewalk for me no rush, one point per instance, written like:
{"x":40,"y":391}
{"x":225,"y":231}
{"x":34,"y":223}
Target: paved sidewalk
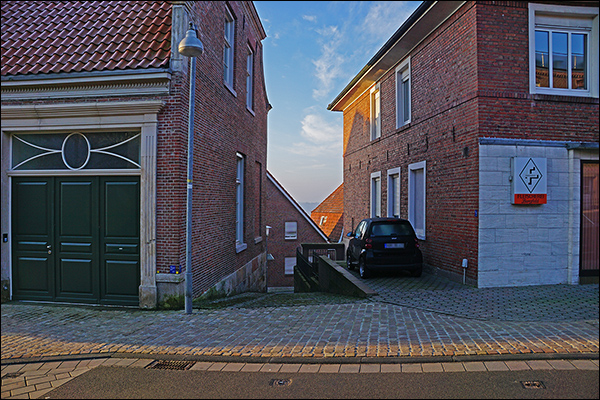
{"x":426,"y":317}
{"x":34,"y":380}
{"x":413,"y":324}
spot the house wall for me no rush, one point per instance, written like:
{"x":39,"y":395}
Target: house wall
{"x":280,"y":210}
{"x":470,"y":81}
{"x":442,"y":132}
{"x":223,"y":127}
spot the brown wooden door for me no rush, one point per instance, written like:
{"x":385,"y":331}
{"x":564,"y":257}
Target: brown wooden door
{"x":589,"y":253}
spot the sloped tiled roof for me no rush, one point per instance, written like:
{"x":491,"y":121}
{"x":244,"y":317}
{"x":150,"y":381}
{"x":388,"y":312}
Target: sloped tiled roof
{"x":328,"y":215}
{"x":74,"y":36}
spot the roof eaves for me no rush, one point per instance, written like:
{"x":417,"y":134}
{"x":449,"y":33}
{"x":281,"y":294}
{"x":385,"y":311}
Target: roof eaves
{"x":370,"y":72}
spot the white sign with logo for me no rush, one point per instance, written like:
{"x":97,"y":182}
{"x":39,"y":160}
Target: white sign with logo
{"x":529,"y":180}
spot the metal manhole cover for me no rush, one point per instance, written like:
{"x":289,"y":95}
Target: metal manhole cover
{"x":533,"y":385}
{"x":280,"y":382}
{"x":170,"y":364}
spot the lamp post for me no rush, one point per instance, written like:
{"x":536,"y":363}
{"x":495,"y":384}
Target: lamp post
{"x":190,"y":46}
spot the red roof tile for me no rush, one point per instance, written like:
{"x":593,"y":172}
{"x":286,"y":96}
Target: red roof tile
{"x":328,"y":215}
{"x":73,"y":36}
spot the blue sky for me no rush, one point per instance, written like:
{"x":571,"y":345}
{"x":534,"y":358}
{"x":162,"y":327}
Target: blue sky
{"x":312,"y":51}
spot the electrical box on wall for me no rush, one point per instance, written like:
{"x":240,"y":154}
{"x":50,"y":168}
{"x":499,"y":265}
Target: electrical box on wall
{"x":529,"y":180}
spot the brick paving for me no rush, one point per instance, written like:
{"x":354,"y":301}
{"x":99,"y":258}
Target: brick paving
{"x":408,"y":318}
{"x":422,"y":325}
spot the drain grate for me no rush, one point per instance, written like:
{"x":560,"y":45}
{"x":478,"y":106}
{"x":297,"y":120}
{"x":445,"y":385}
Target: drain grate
{"x":170,"y":364}
{"x":280,"y":382}
{"x":533,"y":385}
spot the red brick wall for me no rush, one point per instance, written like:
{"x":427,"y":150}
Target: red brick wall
{"x":470,"y":79}
{"x":223,"y":127}
{"x":279,"y":211}
{"x":442,"y":132}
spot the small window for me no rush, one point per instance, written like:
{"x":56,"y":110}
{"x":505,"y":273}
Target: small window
{"x":393,"y":195}
{"x":239,"y":201}
{"x":375,"y":113}
{"x":249,"y":79}
{"x":228,"y":48}
{"x":403,"y":94}
{"x":291,"y":230}
{"x":416,"y":197}
{"x":290,"y":263}
{"x":323,"y":220}
{"x":376,"y":195}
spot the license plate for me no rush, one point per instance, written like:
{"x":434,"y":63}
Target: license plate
{"x":394,"y":245}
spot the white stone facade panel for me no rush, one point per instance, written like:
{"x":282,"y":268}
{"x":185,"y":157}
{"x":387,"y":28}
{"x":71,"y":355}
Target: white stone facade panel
{"x":523,"y":245}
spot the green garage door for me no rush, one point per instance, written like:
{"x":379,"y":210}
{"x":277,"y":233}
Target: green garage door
{"x":76,"y":239}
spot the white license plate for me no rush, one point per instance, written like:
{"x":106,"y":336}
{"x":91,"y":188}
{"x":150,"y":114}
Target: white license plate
{"x":394,"y":245}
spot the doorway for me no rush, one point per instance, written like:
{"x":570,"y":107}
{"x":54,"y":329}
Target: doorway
{"x":76,"y":239}
{"x":589,"y":252}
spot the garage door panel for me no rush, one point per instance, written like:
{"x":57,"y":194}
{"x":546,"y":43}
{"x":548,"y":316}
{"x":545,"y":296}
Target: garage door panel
{"x":76,"y":277}
{"x":122,"y":278}
{"x":121,"y":201}
{"x":33,"y":274}
{"x":31,"y":216}
{"x":76,"y":200}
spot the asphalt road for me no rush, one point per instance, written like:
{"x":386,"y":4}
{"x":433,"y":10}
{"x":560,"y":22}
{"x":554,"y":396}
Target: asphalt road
{"x":130,"y":383}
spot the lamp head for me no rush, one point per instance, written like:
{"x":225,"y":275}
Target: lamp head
{"x":190,"y":45}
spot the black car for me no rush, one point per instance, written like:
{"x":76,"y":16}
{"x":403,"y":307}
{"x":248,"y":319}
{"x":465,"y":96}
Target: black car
{"x":384,"y":243}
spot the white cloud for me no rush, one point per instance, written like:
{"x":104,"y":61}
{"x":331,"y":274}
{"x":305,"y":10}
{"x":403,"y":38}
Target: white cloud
{"x":311,"y":18}
{"x":322,"y":138}
{"x":317,"y":129}
{"x":328,"y":67}
{"x":385,"y":17}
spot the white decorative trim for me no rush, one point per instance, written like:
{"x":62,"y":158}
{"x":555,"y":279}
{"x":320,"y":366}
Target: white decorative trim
{"x":101,"y":86}
{"x":94,"y":116}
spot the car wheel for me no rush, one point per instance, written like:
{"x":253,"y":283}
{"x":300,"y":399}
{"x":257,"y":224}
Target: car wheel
{"x":417,"y":272}
{"x":362,"y":269}
{"x":349,"y":262}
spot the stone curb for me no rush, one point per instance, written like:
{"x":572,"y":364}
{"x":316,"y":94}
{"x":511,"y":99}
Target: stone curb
{"x":316,"y":360}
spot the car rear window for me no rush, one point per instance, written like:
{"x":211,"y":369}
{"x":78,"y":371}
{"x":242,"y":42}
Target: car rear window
{"x":391,"y":229}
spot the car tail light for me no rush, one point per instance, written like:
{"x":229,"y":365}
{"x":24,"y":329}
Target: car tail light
{"x":416,"y":243}
{"x":368,"y":244}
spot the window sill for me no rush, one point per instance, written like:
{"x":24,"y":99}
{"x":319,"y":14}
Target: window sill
{"x":564,"y":98}
{"x":295,"y":238}
{"x":250,"y":111}
{"x":233,"y":92}
{"x":258,"y":239}
{"x":239,"y":247}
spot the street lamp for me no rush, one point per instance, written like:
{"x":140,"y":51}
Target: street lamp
{"x":190,"y":46}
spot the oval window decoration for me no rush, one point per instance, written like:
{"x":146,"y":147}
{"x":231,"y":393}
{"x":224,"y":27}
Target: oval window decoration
{"x":76,"y":151}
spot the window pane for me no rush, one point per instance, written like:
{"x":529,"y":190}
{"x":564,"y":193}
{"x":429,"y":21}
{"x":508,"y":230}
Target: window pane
{"x":541,"y":59}
{"x":559,"y":60}
{"x":579,"y":61}
{"x":406,"y":101}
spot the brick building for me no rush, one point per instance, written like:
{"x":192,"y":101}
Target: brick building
{"x":290,"y":226}
{"x":329,"y":215}
{"x":95,"y":100}
{"x":456,"y":125}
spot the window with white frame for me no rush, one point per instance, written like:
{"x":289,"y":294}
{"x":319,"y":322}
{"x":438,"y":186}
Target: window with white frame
{"x":403,"y":93}
{"x":249,"y":79}
{"x":563,"y":42}
{"x":239,"y":201}
{"x":290,"y":263}
{"x":228,"y":48}
{"x":416,"y":197}
{"x":291,"y":230}
{"x":376,"y":194}
{"x":375,"y":112}
{"x":393,"y":195}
